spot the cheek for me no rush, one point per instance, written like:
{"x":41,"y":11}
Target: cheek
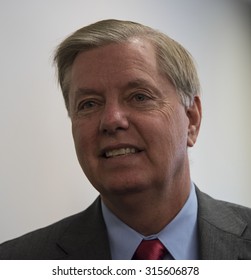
{"x":168,"y":131}
{"x":83,"y":140}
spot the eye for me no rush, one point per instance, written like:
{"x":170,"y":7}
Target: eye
{"x":140,"y":97}
{"x":87,"y":105}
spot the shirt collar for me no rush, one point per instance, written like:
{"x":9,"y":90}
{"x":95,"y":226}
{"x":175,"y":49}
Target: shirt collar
{"x":179,"y":236}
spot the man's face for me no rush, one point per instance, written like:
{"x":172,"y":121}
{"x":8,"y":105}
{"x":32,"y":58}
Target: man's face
{"x":129,"y":127}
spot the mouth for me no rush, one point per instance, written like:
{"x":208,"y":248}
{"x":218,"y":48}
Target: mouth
{"x":116,"y":152}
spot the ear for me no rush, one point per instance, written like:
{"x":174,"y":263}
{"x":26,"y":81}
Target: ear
{"x":194,"y":114}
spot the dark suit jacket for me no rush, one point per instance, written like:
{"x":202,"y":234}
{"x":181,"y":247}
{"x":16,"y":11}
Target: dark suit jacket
{"x":224,"y":233}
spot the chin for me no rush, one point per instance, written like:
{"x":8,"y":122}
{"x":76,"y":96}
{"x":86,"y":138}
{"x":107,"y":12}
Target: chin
{"x":120,"y":188}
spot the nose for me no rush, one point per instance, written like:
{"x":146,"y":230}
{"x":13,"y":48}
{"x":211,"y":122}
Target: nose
{"x":113,"y":119}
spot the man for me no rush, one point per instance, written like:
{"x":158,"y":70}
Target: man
{"x":132,"y":94}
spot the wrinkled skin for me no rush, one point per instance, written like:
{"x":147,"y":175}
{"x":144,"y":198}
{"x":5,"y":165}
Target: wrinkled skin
{"x":119,"y":99}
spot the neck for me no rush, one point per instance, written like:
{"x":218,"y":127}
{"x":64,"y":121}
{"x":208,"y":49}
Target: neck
{"x":148,"y":212}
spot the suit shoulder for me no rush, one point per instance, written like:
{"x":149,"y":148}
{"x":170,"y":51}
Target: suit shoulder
{"x":41,"y":243}
{"x":209,"y":201}
{"x":35,"y":243}
{"x":219,"y":212}
{"x":243,"y":211}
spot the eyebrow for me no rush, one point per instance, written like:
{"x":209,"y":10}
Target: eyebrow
{"x":138,"y":83}
{"x":85,"y":91}
{"x":135,"y":83}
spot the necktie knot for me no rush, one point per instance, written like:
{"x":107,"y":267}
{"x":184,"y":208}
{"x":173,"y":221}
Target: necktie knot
{"x":150,"y":250}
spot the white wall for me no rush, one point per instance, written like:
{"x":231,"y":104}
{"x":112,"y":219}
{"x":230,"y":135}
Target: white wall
{"x":40,"y":179}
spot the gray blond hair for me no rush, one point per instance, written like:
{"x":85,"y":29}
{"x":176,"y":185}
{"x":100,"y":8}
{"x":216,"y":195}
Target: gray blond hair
{"x":174,"y":61}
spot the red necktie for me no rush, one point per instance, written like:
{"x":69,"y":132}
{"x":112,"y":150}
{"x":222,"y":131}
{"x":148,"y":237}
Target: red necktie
{"x":150,"y":250}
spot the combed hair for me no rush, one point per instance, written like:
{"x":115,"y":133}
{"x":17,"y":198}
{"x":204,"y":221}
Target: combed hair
{"x":174,"y":61}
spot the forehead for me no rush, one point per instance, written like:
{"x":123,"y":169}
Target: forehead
{"x":115,"y":61}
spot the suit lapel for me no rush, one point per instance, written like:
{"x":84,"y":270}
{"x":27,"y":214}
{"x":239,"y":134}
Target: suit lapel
{"x":220,"y":230}
{"x":86,"y":237}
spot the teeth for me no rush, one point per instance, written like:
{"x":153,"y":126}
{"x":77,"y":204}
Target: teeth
{"x":120,"y":152}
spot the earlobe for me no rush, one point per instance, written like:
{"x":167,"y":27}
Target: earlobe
{"x":191,"y":136}
{"x":194,"y":115}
